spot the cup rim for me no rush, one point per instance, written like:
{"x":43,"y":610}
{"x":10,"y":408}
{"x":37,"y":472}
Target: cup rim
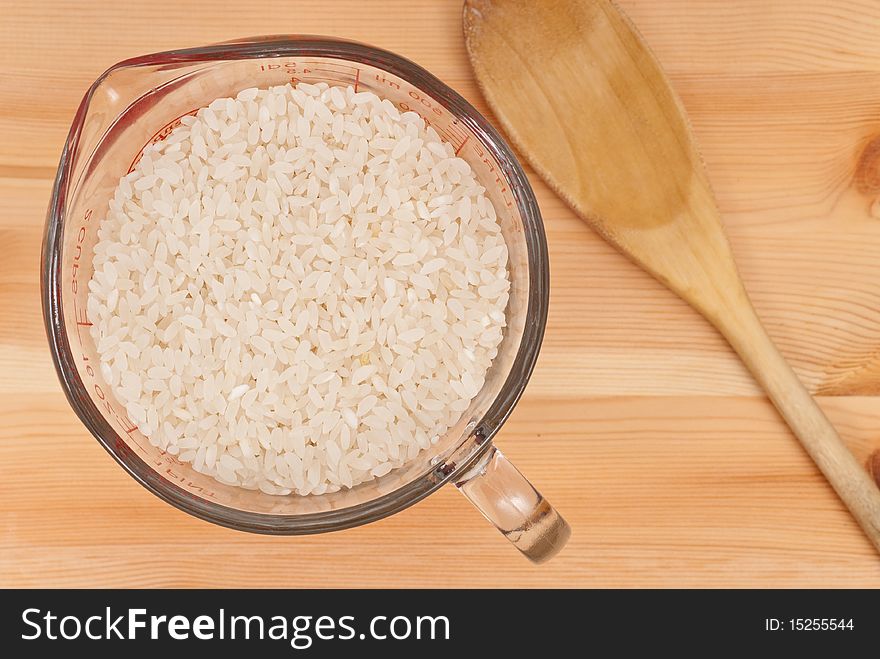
{"x":480,"y":438}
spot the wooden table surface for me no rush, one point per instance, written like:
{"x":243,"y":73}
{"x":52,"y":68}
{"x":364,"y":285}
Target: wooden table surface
{"x":640,"y":425}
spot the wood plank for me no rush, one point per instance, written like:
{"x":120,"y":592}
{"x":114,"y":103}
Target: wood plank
{"x":664,"y":491}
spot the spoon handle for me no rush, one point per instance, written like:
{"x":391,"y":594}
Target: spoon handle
{"x":743,"y":329}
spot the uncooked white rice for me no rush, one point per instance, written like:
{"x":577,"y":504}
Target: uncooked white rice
{"x":299,"y":289}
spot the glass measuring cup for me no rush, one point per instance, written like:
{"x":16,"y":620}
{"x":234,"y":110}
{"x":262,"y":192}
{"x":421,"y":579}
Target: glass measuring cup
{"x":139,"y":101}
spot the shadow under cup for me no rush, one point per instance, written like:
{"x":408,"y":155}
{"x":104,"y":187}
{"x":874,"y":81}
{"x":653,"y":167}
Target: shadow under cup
{"x":140,"y":101}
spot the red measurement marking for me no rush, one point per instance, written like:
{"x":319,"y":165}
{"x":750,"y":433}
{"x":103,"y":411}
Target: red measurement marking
{"x":337,"y":67}
{"x":452,"y":138}
{"x":160,"y":135}
{"x":461,"y":146}
{"x":330,"y":74}
{"x":322,"y":63}
{"x":461,"y":133}
{"x":357,"y":79}
{"x":324,"y":69}
{"x":82,"y":320}
{"x":128,"y":431}
{"x":448,"y":131}
{"x":135,"y":442}
{"x":448,"y":136}
{"x":121,"y":444}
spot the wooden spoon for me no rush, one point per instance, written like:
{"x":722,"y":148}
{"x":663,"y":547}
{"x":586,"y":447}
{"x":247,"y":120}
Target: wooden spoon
{"x":589,"y":106}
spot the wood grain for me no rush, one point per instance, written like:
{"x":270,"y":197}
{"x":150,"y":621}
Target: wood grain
{"x":640,"y":425}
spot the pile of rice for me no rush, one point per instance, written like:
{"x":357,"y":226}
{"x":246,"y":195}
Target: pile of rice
{"x":299,"y":289}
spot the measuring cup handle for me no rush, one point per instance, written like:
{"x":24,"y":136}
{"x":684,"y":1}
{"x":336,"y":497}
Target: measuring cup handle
{"x":514,"y":506}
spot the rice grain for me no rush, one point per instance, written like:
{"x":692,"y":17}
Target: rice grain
{"x":298,"y":290}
